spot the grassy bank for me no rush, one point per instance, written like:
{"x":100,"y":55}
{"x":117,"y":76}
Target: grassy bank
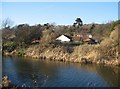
{"x":104,"y":53}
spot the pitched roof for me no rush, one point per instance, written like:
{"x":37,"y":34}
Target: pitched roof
{"x":63,"y":38}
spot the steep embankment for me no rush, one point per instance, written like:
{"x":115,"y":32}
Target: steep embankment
{"x":106,"y":52}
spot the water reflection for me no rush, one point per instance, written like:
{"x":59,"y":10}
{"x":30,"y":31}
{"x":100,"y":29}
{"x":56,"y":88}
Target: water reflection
{"x":109,"y":74}
{"x":57,"y":74}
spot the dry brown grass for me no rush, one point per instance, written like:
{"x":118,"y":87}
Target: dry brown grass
{"x":106,"y":51}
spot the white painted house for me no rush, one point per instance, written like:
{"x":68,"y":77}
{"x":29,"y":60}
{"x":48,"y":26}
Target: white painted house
{"x":63,"y":38}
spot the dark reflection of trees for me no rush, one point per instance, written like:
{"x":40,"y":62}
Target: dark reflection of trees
{"x":9,"y":69}
{"x":109,"y":74}
{"x":26,"y":69}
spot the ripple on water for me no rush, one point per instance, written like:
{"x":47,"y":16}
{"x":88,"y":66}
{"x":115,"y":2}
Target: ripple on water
{"x":59,"y":74}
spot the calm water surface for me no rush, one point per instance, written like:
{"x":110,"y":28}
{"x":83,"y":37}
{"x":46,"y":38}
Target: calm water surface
{"x":58,"y":74}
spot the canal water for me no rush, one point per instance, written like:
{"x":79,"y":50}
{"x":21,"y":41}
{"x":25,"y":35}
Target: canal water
{"x":58,"y":74}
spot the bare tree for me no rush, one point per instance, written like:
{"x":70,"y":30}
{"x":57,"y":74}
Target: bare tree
{"x":7,"y":23}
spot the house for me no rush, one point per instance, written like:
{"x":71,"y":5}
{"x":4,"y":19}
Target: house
{"x":85,"y":37}
{"x":88,"y":38}
{"x":64,"y":38}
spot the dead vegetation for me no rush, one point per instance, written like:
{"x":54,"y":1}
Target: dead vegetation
{"x":106,"y":52}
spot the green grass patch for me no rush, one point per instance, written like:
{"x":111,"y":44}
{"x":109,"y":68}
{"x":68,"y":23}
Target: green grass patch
{"x":72,"y":43}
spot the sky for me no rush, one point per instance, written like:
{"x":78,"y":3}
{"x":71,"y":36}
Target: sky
{"x":62,"y":13}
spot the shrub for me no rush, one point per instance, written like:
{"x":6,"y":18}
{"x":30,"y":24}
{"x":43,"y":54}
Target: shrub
{"x":9,"y":46}
{"x":115,"y":24}
{"x":21,"y":52}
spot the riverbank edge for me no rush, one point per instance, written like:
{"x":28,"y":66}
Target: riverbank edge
{"x":83,"y":61}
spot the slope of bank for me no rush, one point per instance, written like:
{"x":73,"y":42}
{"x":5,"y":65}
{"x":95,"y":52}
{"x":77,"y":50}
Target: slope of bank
{"x":106,"y":52}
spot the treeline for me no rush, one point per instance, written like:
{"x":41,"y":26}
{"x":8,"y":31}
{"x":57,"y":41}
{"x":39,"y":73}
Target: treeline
{"x":23,"y":35}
